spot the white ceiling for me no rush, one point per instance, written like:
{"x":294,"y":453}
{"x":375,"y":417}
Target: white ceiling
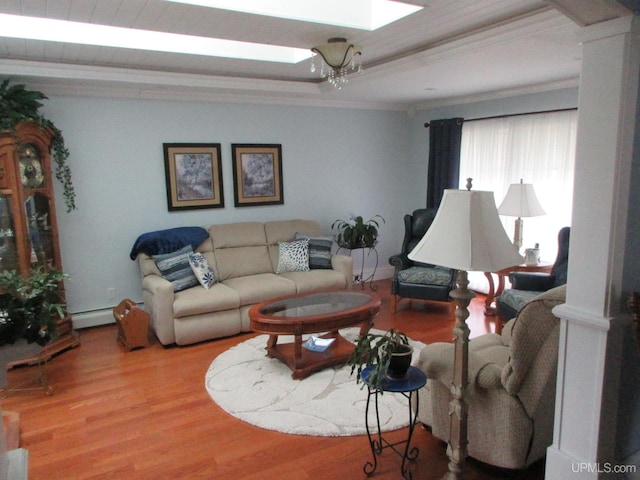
{"x":451,"y":49}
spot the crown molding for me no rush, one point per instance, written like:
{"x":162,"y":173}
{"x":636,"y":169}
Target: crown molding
{"x":499,"y":94}
{"x":108,"y":82}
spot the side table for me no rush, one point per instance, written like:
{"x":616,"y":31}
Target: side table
{"x":360,"y":278}
{"x":489,"y":309}
{"x":408,"y":387}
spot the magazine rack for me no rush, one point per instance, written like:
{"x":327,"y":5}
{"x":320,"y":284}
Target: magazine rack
{"x":133,"y":324}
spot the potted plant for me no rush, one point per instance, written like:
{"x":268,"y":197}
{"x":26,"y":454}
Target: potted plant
{"x":17,"y":104}
{"x":30,"y":306}
{"x":356,"y":233}
{"x":388,"y":355}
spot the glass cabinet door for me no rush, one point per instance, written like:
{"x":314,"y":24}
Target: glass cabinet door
{"x":8,"y":253}
{"x":40,"y":233}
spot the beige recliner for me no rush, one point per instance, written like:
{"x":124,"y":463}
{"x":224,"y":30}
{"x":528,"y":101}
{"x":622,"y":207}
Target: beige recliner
{"x":512,"y":383}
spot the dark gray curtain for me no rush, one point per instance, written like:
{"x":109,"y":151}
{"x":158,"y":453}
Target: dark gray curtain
{"x":444,"y":158}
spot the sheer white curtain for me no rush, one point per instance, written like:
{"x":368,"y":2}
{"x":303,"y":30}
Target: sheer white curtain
{"x":537,"y":148}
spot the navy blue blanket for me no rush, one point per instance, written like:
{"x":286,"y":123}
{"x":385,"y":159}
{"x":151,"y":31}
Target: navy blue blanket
{"x":167,"y":241}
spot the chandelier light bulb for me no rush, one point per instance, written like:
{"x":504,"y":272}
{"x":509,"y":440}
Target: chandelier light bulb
{"x":336,"y":56}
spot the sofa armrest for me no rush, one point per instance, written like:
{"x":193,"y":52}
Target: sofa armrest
{"x":158,"y":301}
{"x":400,"y":261}
{"x":436,"y":360}
{"x":532,"y":281}
{"x":344,"y":265}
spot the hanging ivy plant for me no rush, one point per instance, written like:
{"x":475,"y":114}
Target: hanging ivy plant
{"x":17,"y":104}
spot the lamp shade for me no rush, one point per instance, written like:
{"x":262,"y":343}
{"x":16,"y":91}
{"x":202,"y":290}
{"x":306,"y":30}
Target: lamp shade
{"x":521,"y":201}
{"x":467,"y":234}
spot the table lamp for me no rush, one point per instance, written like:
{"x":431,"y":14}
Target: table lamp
{"x":466,"y":234}
{"x":520,"y":201}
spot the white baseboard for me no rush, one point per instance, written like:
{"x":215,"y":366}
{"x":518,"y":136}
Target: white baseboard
{"x":382,"y":273}
{"x":92,"y":319}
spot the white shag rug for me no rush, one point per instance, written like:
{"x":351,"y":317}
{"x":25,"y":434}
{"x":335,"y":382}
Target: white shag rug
{"x":259,"y":390}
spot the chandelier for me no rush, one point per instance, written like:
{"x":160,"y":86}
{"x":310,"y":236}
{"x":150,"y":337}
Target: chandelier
{"x":336,"y":56}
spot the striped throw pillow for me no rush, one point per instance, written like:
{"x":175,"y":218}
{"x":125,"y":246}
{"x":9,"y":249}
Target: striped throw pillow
{"x":175,"y":267}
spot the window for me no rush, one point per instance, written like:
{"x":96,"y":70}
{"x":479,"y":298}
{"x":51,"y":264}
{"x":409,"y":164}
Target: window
{"x":538,"y":148}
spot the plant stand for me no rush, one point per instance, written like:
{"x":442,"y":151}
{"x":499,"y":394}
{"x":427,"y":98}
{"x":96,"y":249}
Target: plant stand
{"x":19,"y":350}
{"x":360,"y":278}
{"x":408,"y":387}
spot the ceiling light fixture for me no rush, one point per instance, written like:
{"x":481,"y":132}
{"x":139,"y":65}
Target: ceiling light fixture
{"x":34,"y":28}
{"x":336,"y":56}
{"x":361,"y":14}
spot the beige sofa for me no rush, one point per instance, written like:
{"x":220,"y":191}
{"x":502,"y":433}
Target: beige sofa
{"x":244,"y":257}
{"x":511,"y":392}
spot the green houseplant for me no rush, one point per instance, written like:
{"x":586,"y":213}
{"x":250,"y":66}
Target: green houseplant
{"x":388,"y":355}
{"x":30,"y":306}
{"x":356,"y":233}
{"x":17,"y":104}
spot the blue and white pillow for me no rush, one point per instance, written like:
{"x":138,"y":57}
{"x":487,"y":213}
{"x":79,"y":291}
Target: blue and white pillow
{"x":319,"y":250}
{"x":175,"y":267}
{"x":293,"y":256}
{"x":201,"y":269}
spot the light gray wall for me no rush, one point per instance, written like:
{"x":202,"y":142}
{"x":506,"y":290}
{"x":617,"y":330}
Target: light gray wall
{"x":336,"y":163}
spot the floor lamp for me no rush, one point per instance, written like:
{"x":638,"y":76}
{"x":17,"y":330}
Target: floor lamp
{"x":520,"y":201}
{"x":465,"y":235}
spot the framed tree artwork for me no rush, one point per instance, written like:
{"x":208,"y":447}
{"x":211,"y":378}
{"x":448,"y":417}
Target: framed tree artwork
{"x":193,"y":175}
{"x":257,"y":174}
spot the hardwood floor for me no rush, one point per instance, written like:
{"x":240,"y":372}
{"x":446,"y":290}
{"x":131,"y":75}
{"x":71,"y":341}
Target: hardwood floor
{"x":146,"y":414}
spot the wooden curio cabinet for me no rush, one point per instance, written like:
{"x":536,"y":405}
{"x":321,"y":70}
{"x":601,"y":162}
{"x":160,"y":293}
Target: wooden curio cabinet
{"x":28,"y":226}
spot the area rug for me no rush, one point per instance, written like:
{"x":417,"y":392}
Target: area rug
{"x":259,"y":390}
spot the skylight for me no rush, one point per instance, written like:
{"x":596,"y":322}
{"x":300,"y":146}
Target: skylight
{"x":33,"y":28}
{"x":361,"y":14}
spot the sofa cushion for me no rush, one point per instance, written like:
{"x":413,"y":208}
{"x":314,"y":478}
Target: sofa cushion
{"x":240,"y":249}
{"x":316,"y":280}
{"x":175,"y":268}
{"x":294,"y":256}
{"x":319,"y":250}
{"x":201,"y":269}
{"x":194,"y":301}
{"x":426,"y":275}
{"x":517,"y":298}
{"x":258,"y":288}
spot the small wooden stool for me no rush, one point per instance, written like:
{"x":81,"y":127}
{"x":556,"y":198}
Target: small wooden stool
{"x":133,"y":324}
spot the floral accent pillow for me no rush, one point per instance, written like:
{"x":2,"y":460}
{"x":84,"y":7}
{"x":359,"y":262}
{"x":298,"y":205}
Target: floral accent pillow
{"x":293,"y":256}
{"x":201,"y":269}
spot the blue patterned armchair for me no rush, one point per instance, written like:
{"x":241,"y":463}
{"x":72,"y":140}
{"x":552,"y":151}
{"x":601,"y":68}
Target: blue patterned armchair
{"x":527,"y":285}
{"x":418,"y":280}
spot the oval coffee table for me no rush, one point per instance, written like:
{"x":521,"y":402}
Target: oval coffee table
{"x":314,"y":312}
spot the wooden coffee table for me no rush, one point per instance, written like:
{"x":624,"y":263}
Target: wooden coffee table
{"x":309,"y":313}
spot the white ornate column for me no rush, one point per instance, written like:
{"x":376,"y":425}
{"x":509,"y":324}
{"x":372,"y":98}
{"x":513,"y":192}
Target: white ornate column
{"x":589,"y":364}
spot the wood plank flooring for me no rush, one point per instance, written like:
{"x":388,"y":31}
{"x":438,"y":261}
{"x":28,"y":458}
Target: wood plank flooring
{"x":146,"y":414}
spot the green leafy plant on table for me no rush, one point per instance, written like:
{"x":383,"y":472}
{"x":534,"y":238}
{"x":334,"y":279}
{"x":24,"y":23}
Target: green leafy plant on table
{"x":17,"y":104}
{"x":356,"y":233}
{"x":379,"y":351}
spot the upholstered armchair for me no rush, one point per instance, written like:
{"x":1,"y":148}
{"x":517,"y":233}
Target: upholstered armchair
{"x":526,"y":285}
{"x":414,"y":279}
{"x":511,"y":392}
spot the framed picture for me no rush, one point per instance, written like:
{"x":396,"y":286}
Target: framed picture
{"x":194,"y":175}
{"x":257,"y":174}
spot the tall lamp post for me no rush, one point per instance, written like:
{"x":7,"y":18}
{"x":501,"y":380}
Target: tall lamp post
{"x":465,"y":235}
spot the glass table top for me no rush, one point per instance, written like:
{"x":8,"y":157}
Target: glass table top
{"x":315,"y":304}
